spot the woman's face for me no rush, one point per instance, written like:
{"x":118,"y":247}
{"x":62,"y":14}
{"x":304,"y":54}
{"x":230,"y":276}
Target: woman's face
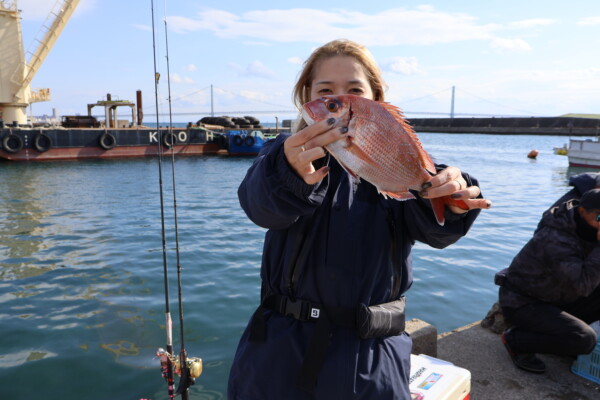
{"x":339,"y":75}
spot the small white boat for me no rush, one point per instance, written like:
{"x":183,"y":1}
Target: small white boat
{"x":584,"y":153}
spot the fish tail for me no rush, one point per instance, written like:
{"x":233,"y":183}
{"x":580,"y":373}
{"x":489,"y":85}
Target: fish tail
{"x":439,"y":207}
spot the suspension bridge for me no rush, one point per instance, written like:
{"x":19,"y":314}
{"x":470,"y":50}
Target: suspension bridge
{"x":292,"y":112}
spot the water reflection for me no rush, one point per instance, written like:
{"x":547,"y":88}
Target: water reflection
{"x":21,"y":225}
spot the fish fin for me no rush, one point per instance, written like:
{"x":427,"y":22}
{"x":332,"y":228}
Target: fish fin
{"x":455,"y":202}
{"x":398,"y":196}
{"x":439,"y":206}
{"x":398,"y":115}
{"x":358,"y":152}
{"x":438,"y":209}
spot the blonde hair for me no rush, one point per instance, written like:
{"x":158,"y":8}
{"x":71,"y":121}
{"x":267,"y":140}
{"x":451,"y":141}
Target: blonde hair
{"x":340,"y":47}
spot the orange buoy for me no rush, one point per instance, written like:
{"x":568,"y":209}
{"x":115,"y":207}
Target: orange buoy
{"x":533,"y":154}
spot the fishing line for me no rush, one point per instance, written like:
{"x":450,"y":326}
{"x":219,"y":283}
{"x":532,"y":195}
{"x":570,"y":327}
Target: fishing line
{"x":186,"y":380}
{"x":166,"y":364}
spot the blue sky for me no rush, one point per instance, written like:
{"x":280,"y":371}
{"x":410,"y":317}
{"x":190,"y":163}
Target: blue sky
{"x":503,"y":57}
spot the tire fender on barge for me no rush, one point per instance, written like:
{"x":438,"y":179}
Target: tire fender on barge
{"x":107,"y":141}
{"x":12,"y":143}
{"x":249,"y":141}
{"x":42,"y":142}
{"x":237,"y":140}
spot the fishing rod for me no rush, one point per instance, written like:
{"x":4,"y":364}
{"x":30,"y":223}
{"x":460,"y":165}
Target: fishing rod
{"x":188,"y":368}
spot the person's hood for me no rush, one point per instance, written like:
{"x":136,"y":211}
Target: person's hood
{"x":585,"y":181}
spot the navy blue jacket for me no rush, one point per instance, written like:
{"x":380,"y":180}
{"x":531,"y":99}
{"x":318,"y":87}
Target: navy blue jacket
{"x":349,"y":262}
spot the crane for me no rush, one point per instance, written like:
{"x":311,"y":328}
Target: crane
{"x":16,"y":73}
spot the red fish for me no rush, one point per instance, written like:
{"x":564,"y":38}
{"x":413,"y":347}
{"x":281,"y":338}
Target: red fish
{"x":380,"y":147}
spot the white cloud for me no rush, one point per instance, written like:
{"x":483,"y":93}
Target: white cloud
{"x":190,"y":67}
{"x":252,"y":95}
{"x":512,"y":45}
{"x":423,"y":25}
{"x":257,"y":43}
{"x":402,"y":65}
{"x":588,"y":78}
{"x":295,"y":60}
{"x":254,"y":69}
{"x":141,"y":27}
{"x":587,"y":21}
{"x":175,"y":78}
{"x":183,"y":24}
{"x":532,"y":23}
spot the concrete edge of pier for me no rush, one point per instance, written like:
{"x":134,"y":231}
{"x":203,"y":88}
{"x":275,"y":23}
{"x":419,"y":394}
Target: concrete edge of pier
{"x":493,"y":375}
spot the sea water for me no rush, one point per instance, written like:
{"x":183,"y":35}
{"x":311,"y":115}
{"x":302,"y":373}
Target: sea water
{"x":82,"y":289}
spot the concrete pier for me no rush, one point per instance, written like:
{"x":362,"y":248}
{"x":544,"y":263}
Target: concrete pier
{"x":493,"y":375}
{"x":560,"y":126}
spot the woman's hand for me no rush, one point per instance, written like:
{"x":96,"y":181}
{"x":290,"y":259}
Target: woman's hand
{"x":306,"y":146}
{"x":449,"y":182}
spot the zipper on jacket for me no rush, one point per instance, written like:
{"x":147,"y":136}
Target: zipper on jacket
{"x":396,"y":267}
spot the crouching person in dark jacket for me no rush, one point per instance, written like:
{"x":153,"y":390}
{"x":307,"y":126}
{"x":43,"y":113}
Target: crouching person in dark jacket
{"x":550,"y":293}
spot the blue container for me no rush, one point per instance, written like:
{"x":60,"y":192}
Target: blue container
{"x":588,"y":366}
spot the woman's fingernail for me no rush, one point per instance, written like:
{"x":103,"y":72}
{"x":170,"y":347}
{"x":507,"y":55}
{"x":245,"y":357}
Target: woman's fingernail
{"x":426,"y":185}
{"x":344,"y":129}
{"x":456,"y":195}
{"x":489,"y":204}
{"x":331,"y":121}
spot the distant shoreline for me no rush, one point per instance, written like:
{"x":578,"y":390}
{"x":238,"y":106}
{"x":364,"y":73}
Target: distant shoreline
{"x":553,"y":126}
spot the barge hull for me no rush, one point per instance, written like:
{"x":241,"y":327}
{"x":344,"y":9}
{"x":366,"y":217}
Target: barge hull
{"x":85,"y":143}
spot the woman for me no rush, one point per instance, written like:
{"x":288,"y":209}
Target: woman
{"x":333,"y":247}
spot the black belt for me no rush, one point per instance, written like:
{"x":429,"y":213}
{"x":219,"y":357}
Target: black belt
{"x":326,"y":319}
{"x":304,"y":310}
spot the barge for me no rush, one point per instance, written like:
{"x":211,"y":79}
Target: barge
{"x":85,"y":137}
{"x":45,"y":144}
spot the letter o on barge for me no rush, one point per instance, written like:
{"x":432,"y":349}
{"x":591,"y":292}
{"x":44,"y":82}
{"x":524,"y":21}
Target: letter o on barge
{"x":169,"y":140}
{"x":42,"y":142}
{"x":12,"y":143}
{"x":107,"y":141}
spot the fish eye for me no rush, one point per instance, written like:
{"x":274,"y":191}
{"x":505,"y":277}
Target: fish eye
{"x":332,"y":105}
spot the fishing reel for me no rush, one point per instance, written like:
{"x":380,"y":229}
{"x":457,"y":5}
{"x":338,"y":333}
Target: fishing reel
{"x":193,"y":364}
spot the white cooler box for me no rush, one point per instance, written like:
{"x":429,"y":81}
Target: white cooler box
{"x":435,"y":379}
